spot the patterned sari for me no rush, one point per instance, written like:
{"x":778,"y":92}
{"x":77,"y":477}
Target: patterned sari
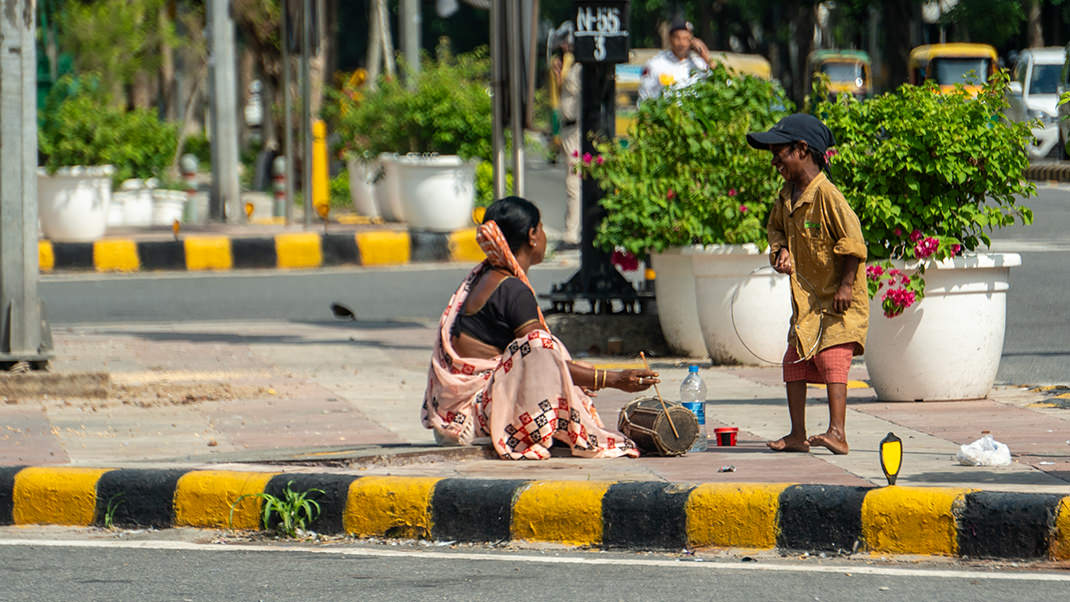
{"x":522,"y":399}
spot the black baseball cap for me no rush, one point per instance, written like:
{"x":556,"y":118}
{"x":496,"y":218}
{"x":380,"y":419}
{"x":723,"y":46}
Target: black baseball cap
{"x":799,"y":126}
{"x":678,"y":24}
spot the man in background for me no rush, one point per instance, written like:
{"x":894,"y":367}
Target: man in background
{"x":566,"y":75}
{"x":685,"y":61}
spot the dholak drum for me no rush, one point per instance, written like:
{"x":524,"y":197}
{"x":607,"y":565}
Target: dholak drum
{"x":644,"y":421}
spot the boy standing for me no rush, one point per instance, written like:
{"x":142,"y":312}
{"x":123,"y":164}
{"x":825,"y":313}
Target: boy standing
{"x":816,"y":238}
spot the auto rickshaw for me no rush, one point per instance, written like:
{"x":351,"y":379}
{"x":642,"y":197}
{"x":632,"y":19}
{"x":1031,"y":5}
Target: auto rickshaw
{"x":948,"y":64}
{"x":847,"y":70}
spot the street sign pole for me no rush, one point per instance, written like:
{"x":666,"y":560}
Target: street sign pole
{"x":25,"y":339}
{"x":226,"y":189}
{"x":600,"y":41}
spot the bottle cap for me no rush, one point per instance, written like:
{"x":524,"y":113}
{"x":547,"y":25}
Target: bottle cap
{"x":692,"y":368}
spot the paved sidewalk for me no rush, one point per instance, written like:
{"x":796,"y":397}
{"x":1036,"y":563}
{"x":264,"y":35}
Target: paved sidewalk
{"x":348,"y":393}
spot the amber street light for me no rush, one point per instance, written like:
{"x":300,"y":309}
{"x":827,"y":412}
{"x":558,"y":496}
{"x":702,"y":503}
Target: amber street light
{"x":891,"y":452}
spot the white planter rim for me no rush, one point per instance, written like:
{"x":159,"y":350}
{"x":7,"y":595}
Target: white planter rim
{"x":687,"y":250}
{"x":80,"y":171}
{"x":747,"y":248}
{"x":431,"y":159}
{"x":966,"y":261}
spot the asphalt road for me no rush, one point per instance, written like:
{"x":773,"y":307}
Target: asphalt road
{"x":103,"y":568}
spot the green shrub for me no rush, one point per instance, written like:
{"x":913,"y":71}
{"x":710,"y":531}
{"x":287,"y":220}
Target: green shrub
{"x":338,"y":191}
{"x":686,"y":175}
{"x":84,"y":129}
{"x":485,"y":183}
{"x":199,"y":146}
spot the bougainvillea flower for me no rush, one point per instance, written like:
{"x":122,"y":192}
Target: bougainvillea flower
{"x":898,"y":231}
{"x":731,"y":192}
{"x":670,"y":194}
{"x":915,"y":236}
{"x":586,"y":158}
{"x":742,"y":208}
{"x":599,"y":160}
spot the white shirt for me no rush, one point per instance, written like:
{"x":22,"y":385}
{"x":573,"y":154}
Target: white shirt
{"x":675,"y":73}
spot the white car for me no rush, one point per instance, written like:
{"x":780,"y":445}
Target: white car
{"x":1034,"y":94}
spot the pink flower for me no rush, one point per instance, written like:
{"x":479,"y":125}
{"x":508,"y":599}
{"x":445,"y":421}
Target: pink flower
{"x":926,"y":247}
{"x":894,"y":272}
{"x":905,"y":280}
{"x":742,"y":208}
{"x":731,"y":192}
{"x":895,"y":300}
{"x":874,"y":272}
{"x":599,"y":160}
{"x":955,"y":249}
{"x":586,"y":158}
{"x":915,"y":236}
{"x":830,"y":153}
{"x":898,"y":231}
{"x":575,"y":153}
{"x":670,"y":194}
{"x":625,"y":260}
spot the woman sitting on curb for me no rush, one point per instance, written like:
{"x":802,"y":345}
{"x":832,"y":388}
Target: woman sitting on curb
{"x":497,"y":371}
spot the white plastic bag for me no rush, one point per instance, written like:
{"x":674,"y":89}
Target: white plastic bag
{"x":986,"y":451}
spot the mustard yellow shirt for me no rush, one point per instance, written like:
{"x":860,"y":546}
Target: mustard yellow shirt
{"x":819,"y":230}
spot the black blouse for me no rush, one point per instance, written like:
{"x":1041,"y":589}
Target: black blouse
{"x":510,"y":308}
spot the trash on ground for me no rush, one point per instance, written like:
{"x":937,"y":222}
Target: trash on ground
{"x":985,"y":451}
{"x":728,"y":468}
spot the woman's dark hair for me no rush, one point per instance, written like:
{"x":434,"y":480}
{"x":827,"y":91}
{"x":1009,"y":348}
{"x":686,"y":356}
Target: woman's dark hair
{"x":515,"y":218}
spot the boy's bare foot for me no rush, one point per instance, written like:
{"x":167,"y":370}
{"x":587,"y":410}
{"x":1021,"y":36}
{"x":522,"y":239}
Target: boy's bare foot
{"x":833,"y":441}
{"x":787,"y":443}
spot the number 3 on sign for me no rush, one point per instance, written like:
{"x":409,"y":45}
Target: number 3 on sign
{"x":599,"y":48}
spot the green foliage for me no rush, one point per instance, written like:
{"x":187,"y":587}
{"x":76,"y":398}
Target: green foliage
{"x":293,"y":511}
{"x":447,"y":111}
{"x":113,"y":505}
{"x":686,"y":175}
{"x":84,"y":130}
{"x":947,"y":165}
{"x":485,"y":183}
{"x":338,"y":191}
{"x":199,"y":146}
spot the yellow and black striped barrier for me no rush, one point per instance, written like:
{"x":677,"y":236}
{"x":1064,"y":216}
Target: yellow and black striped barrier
{"x":299,"y":250}
{"x":612,"y":515}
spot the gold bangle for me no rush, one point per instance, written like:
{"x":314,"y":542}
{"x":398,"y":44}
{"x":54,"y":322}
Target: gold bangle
{"x":595,"y":385}
{"x":605,"y":375}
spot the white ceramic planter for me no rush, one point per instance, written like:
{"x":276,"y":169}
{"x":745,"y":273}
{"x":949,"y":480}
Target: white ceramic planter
{"x":136,"y":199}
{"x":674,"y":289}
{"x":387,"y":192}
{"x":948,"y":345}
{"x":73,"y":203}
{"x":362,"y":182}
{"x":167,"y":206}
{"x":744,"y":306}
{"x":437,"y":192}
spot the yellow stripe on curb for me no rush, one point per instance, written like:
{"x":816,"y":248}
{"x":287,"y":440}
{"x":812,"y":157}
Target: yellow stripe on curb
{"x":60,"y":495}
{"x":46,"y":256}
{"x":463,"y":246}
{"x":389,"y":506}
{"x":1060,"y":542}
{"x":208,"y":253}
{"x":911,"y":520}
{"x":733,"y":515}
{"x":568,"y":512}
{"x":298,"y":250}
{"x":203,"y":498}
{"x":115,"y":256}
{"x":384,"y":247}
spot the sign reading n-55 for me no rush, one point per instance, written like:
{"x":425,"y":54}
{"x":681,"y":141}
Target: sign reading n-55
{"x":601,"y":34}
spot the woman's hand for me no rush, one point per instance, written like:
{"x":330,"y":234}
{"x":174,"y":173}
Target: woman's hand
{"x":632,"y":381}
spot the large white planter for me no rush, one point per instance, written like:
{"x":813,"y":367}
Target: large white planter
{"x":362,"y":182}
{"x":744,"y":306}
{"x":136,"y":199}
{"x":167,"y":206}
{"x":72,"y":204}
{"x":387,"y":192}
{"x":948,"y":345}
{"x":674,"y":289}
{"x":437,"y":192}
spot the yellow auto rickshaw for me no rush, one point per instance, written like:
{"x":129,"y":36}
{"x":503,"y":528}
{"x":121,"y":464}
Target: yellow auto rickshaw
{"x":847,"y":71}
{"x":949,"y":64}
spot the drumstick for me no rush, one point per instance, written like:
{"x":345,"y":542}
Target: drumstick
{"x":656,"y":390}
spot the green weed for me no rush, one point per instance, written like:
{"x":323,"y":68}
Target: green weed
{"x":295,"y":509}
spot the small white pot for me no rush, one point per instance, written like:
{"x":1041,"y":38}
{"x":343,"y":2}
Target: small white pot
{"x":744,"y":306}
{"x":437,"y":192}
{"x":387,"y":192}
{"x":948,"y":345}
{"x":674,"y":289}
{"x":73,"y":203}
{"x":362,"y":183}
{"x":167,"y":206}
{"x":137,"y":203}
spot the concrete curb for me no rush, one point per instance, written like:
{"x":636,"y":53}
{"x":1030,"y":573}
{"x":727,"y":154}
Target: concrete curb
{"x":1059,"y":172}
{"x":612,"y":515}
{"x":299,"y":250}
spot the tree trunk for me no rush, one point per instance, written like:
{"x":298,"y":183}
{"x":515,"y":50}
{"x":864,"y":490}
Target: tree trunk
{"x":375,"y":44}
{"x":317,"y":67}
{"x":802,"y":18}
{"x":141,"y":90}
{"x":1035,"y":30}
{"x":168,"y":105}
{"x":897,"y":40}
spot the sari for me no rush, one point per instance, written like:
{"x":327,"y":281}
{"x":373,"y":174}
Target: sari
{"x":524,"y":398}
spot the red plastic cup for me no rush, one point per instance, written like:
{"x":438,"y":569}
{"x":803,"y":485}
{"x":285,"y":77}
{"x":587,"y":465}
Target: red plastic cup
{"x":726,"y":436}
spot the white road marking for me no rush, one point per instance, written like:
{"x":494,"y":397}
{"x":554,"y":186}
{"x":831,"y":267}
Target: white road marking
{"x":712,"y":565}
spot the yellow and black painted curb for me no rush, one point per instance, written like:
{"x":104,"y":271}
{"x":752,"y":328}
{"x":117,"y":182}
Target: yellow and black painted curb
{"x":296,"y":250}
{"x":1058,"y":172}
{"x":612,"y":515}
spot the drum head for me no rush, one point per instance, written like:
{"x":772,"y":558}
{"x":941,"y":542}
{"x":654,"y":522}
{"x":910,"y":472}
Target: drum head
{"x":646,"y":422}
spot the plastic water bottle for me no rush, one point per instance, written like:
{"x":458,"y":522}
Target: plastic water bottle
{"x":693,"y":397}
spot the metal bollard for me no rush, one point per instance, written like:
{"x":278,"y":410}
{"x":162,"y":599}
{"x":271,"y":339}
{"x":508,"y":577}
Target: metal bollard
{"x":278,"y":186}
{"x":188,"y":166}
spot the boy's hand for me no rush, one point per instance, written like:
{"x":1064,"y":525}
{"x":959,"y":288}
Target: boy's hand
{"x":841,"y":301}
{"x":783,"y":262}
